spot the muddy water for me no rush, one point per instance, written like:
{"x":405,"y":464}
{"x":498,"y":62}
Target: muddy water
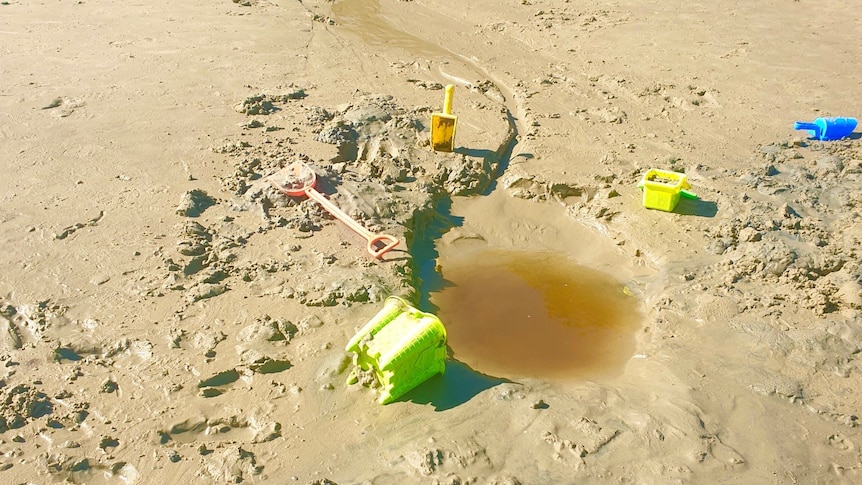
{"x":528,"y":314}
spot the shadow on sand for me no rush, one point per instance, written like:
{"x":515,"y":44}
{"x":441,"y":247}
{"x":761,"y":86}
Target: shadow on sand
{"x":696,"y":207}
{"x":456,"y":386}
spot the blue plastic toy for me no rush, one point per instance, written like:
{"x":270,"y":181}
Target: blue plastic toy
{"x":828,"y":128}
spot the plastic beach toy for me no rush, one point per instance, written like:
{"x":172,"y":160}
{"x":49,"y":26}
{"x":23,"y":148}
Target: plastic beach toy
{"x":443,"y":125}
{"x":402,"y":346}
{"x":662,"y":189}
{"x":825,"y":129}
{"x":298,"y":179}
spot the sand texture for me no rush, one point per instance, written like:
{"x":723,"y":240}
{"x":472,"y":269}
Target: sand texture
{"x":168,"y":316}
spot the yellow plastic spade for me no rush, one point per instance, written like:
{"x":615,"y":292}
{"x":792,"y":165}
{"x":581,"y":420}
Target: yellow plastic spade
{"x":443,"y":125}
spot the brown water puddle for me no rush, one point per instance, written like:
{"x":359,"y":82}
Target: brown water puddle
{"x":524,"y":314}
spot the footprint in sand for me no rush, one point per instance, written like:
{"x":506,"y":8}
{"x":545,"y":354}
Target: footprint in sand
{"x":62,"y":107}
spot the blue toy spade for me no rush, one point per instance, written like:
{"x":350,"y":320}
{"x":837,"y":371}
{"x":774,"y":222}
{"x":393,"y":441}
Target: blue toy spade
{"x":828,"y":128}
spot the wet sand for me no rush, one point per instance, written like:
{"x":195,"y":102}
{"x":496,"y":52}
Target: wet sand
{"x":168,"y":315}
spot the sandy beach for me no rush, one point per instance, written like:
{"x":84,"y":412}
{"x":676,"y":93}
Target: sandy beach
{"x":167,"y":315}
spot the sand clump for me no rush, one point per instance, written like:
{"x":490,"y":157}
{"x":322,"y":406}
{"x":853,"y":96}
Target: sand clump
{"x":167,"y":314}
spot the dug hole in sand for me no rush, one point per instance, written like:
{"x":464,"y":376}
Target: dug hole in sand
{"x":169,"y":316}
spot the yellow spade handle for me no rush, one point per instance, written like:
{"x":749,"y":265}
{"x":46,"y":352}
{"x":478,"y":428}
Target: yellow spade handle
{"x":447,"y":101}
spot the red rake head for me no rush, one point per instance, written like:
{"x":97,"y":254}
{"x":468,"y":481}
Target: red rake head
{"x":294,"y":180}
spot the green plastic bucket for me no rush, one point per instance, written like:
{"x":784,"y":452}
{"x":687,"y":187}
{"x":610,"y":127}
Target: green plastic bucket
{"x":403,"y":346}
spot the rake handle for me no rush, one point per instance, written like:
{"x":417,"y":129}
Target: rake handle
{"x":371,"y":238}
{"x":387,"y":246}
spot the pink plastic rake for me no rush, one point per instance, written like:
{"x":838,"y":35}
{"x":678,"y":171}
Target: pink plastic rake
{"x":298,"y":179}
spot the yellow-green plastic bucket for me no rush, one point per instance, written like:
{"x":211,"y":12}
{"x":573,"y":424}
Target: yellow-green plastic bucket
{"x":402,"y":346}
{"x":662,"y":188}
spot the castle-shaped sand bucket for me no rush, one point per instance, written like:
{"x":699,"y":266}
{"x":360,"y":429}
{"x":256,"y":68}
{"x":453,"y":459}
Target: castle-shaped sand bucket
{"x":661,"y":189}
{"x":402,"y":346}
